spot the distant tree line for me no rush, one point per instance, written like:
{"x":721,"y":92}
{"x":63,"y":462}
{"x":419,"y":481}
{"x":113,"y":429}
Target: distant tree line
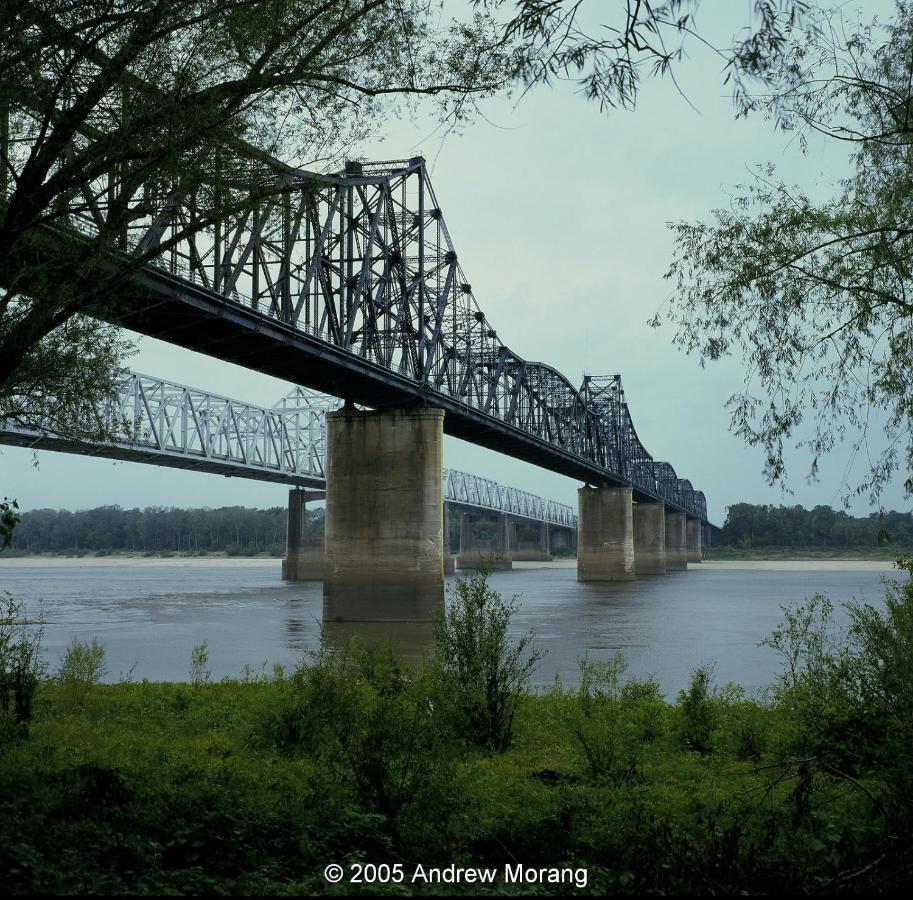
{"x":232,"y":529}
{"x":240,"y":530}
{"x":750,"y":525}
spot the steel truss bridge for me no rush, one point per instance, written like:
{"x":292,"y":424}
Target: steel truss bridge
{"x":350,"y":284}
{"x":169,"y":424}
{"x":462,"y":489}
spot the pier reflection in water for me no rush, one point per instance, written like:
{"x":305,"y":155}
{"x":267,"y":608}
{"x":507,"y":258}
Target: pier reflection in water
{"x":413,"y":641}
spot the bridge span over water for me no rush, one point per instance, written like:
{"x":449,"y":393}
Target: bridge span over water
{"x":164,"y":423}
{"x":350,"y":283}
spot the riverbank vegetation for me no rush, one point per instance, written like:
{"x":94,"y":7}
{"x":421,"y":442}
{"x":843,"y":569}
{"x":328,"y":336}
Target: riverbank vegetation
{"x":760,"y":531}
{"x":235,"y":530}
{"x":750,"y":532}
{"x":257,"y":784}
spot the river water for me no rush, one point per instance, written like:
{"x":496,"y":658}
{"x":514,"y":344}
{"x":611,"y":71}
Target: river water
{"x":150,"y":613}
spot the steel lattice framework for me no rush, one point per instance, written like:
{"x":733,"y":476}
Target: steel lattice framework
{"x":170,"y":424}
{"x":351,"y":284}
{"x":464,"y":489}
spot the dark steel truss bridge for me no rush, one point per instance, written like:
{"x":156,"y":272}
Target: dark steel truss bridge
{"x":350,"y":284}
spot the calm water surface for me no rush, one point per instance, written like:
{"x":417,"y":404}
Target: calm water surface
{"x":151,"y":613}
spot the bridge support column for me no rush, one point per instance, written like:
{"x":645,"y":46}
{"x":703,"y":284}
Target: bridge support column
{"x":304,"y":553}
{"x":605,"y":549}
{"x":561,"y":538}
{"x":384,"y":531}
{"x":536,"y":550}
{"x":649,"y":539}
{"x":676,"y":541}
{"x":694,"y":541}
{"x":476,"y":553}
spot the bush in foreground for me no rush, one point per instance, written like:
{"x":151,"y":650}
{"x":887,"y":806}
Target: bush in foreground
{"x":255,"y":785}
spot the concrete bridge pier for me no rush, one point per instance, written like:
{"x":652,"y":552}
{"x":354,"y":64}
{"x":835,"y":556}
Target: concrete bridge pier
{"x":694,"y":541}
{"x":561,"y":537}
{"x":477,"y":553}
{"x":676,"y":541}
{"x":649,"y":539}
{"x":537,"y":550}
{"x":384,"y":516}
{"x":605,"y":544}
{"x":304,"y":553}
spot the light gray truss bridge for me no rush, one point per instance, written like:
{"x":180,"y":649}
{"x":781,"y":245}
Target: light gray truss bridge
{"x":164,"y":423}
{"x":463,"y":489}
{"x":169,"y":424}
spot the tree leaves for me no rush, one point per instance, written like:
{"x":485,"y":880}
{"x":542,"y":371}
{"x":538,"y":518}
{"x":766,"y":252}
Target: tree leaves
{"x":814,"y":296}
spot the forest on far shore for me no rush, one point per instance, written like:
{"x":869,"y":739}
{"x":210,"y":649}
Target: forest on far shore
{"x":240,"y":531}
{"x":749,"y":526}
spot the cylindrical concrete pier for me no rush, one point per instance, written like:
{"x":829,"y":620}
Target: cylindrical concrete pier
{"x":605,"y":543}
{"x":695,"y":554}
{"x":676,"y":541}
{"x":304,"y":552}
{"x":384,"y":517}
{"x":649,"y":539}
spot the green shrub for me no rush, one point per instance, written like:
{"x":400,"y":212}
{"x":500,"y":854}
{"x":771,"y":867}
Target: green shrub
{"x":367,"y":719}
{"x":698,"y":710}
{"x":199,"y":659}
{"x":21,"y":668}
{"x":82,"y":667}
{"x":617,"y":718}
{"x":484,"y":673}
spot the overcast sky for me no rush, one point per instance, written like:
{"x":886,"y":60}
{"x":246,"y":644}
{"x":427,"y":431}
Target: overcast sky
{"x":559,"y":215}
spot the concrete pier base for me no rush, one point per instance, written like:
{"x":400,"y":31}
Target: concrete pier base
{"x":561,"y":538}
{"x":384,"y":517}
{"x":605,"y":546}
{"x":536,"y":550}
{"x":304,"y":553}
{"x":695,"y":553}
{"x":676,"y":541}
{"x":475,"y":553}
{"x":649,"y":539}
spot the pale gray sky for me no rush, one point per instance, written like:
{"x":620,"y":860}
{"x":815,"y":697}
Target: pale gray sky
{"x":559,"y":217}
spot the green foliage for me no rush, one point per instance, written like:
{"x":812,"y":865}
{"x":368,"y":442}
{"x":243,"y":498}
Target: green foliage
{"x":699,"y":711}
{"x":751,"y":525}
{"x":813,"y":295}
{"x":159,"y":529}
{"x":617,"y":719}
{"x":251,"y":786}
{"x":9,"y":519}
{"x":82,"y":667}
{"x":302,"y":80}
{"x":370,"y":723}
{"x":560,"y":40}
{"x":484,"y":672}
{"x":199,"y":660}
{"x":21,"y":668}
